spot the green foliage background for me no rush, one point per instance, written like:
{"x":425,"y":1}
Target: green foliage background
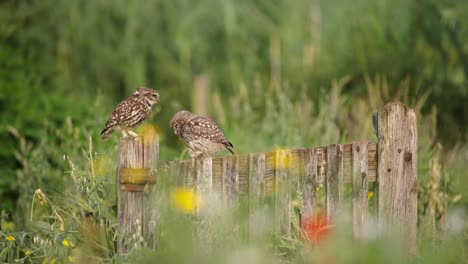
{"x":281,"y":73}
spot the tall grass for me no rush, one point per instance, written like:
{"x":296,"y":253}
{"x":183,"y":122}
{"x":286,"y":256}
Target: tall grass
{"x":78,"y":224}
{"x":269,"y":68}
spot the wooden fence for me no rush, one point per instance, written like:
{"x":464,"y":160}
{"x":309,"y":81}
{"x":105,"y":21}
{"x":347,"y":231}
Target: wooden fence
{"x":390,"y":166}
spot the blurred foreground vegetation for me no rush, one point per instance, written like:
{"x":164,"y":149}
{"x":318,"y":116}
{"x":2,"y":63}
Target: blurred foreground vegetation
{"x":272,"y":73}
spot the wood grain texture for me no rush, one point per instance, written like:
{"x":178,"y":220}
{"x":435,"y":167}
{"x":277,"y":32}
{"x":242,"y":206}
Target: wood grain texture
{"x":397,"y":170}
{"x":205,"y":203}
{"x":334,"y":181}
{"x":187,"y":167}
{"x":360,"y":189}
{"x":230,"y":179}
{"x":282,"y":192}
{"x":136,"y":207}
{"x":204,"y":182}
{"x":150,"y":209}
{"x":309,"y":180}
{"x":257,"y":190}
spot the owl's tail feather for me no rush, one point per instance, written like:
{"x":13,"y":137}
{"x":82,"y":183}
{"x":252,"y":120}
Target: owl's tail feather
{"x":105,"y":134}
{"x":229,"y":147}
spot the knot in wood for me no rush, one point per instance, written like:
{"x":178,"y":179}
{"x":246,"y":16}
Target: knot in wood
{"x":399,"y":150}
{"x":358,"y":148}
{"x":408,"y":156}
{"x":363,"y":175}
{"x":389,"y":170}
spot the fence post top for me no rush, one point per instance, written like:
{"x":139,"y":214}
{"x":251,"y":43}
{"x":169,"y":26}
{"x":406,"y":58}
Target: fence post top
{"x":393,"y":105}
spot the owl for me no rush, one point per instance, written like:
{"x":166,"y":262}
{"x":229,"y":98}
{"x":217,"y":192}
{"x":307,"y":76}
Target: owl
{"x":131,"y":112}
{"x":201,"y":134}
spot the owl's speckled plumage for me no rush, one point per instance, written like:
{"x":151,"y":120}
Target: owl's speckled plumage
{"x":131,"y":112}
{"x":202,"y":134}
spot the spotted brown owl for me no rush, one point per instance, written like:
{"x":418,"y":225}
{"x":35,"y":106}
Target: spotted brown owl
{"x":131,"y":112}
{"x":202,"y":134}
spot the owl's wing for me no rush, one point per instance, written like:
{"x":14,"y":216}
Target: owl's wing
{"x":125,"y":111}
{"x":205,"y":128}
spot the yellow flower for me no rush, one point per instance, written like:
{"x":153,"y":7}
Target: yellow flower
{"x":71,"y":259}
{"x":27,"y":252}
{"x":10,"y":238}
{"x":52,"y":261}
{"x":149,"y":132}
{"x":295,"y":204}
{"x":65,"y":243}
{"x":184,"y":199}
{"x":370,"y":195}
{"x":8,"y":226}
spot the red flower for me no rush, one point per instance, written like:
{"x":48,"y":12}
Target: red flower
{"x":315,"y":228}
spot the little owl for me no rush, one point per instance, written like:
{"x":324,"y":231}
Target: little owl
{"x":131,"y":112}
{"x":202,"y":134}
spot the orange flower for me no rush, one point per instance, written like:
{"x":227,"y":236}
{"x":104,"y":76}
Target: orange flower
{"x":315,"y":228}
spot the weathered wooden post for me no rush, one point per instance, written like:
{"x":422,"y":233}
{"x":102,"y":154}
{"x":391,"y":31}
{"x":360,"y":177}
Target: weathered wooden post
{"x":138,"y":159}
{"x":395,"y":126}
{"x":334,"y":181}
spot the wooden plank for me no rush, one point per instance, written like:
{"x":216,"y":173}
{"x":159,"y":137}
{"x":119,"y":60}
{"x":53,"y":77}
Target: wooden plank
{"x":294,"y":185}
{"x":230,"y":176}
{"x":282,"y":192}
{"x":150,"y":209}
{"x":360,"y":189}
{"x":256,"y":196}
{"x":270,"y":161}
{"x":204,"y":182}
{"x":217,"y":164}
{"x":321,"y":153}
{"x":204,"y":203}
{"x":334,"y":181}
{"x":190,"y":176}
{"x":270,"y":157}
{"x":372,"y":162}
{"x":397,"y":172}
{"x":243,"y":197}
{"x":243,"y":163}
{"x":309,"y":181}
{"x":136,"y":212}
